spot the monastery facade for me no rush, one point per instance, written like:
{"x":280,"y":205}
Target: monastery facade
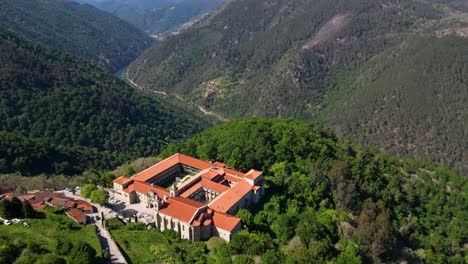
{"x":202,"y":200}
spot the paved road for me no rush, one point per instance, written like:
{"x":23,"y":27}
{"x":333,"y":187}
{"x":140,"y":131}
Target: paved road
{"x":103,"y":235}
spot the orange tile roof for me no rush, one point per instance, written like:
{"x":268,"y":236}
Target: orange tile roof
{"x":234,"y":173}
{"x":225,"y":221}
{"x":37,"y":203}
{"x":170,"y":162}
{"x":191,"y":190}
{"x":62,"y":202}
{"x":157,"y":168}
{"x":26,"y":197}
{"x":130,"y":188}
{"x":226,"y":200}
{"x":122,"y":180}
{"x":181,"y":208}
{"x":144,"y":187}
{"x":253,"y":174}
{"x":214,"y":186}
{"x":232,"y":178}
{"x":76,"y":214}
{"x":219,"y":164}
{"x":212,"y":173}
{"x":47,"y":194}
{"x":84,"y":205}
{"x":188,"y":202}
{"x":193,"y":162}
{"x":38,"y":206}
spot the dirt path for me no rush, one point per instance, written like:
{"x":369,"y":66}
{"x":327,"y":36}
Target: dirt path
{"x":200,"y":107}
{"x":218,"y":116}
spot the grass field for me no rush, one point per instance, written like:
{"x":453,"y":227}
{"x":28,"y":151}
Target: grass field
{"x":137,"y":245}
{"x":152,"y":246}
{"x":44,"y":232}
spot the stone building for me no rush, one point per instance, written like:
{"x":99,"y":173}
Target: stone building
{"x":202,"y":200}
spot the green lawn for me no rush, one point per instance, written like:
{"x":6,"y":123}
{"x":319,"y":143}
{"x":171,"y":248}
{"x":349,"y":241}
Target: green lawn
{"x":151,"y":246}
{"x":45,"y":231}
{"x":137,"y":245}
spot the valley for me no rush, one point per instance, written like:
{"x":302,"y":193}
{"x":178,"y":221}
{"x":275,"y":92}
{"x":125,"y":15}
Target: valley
{"x":237,"y":131}
{"x":81,"y":30}
{"x":157,"y":18}
{"x":308,"y":66}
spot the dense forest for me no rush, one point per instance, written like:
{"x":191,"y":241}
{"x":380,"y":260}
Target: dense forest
{"x":82,"y":30}
{"x":303,"y":59}
{"x":330,"y":200}
{"x":156,"y":16}
{"x":62,"y":114}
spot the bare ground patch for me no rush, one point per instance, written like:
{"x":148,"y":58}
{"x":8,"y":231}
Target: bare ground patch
{"x":329,"y":31}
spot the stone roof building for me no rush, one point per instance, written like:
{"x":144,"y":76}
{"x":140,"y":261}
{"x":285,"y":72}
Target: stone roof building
{"x":202,"y":200}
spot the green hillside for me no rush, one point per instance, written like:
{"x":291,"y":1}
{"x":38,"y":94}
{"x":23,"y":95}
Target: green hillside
{"x":61,"y":114}
{"x":294,"y":58}
{"x":79,"y":29}
{"x":156,"y":16}
{"x":330,"y":200}
{"x":50,"y":237}
{"x":410,"y":100}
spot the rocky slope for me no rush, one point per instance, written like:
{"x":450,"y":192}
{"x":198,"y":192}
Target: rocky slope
{"x":332,"y":61}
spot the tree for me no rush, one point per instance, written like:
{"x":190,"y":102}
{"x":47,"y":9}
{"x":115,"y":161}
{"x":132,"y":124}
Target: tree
{"x":344,"y":186}
{"x":106,"y":178}
{"x":11,"y":208}
{"x":50,"y":259}
{"x":309,"y":228}
{"x":245,"y":216}
{"x":91,"y":176}
{"x":63,"y":248}
{"x":349,"y":255}
{"x":375,"y":229}
{"x":87,"y":189}
{"x":8,"y":253}
{"x":272,"y":257}
{"x":99,"y":196}
{"x":5,"y":208}
{"x":28,"y":211}
{"x":243,"y":259}
{"x":82,"y":253}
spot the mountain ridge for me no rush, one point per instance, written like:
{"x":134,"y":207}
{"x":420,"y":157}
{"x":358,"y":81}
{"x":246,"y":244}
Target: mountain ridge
{"x":63,"y":114}
{"x":79,"y":29}
{"x":285,"y":58}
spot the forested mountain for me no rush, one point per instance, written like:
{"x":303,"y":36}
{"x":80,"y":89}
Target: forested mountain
{"x":79,"y":29}
{"x":62,"y":114}
{"x":329,"y":201}
{"x":389,"y":73}
{"x":156,"y":16}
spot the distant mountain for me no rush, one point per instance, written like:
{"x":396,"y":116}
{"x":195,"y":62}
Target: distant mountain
{"x":157,"y":16}
{"x":62,"y":114}
{"x":388,"y":73}
{"x":79,"y":29}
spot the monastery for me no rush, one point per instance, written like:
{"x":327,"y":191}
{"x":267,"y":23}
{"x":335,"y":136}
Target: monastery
{"x":201,"y":201}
